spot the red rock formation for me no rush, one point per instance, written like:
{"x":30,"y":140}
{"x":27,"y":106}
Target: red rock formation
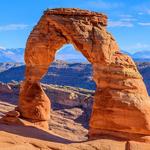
{"x":122,"y":105}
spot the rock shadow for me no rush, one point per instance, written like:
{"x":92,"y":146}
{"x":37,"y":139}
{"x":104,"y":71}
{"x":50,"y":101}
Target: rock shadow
{"x":33,"y":132}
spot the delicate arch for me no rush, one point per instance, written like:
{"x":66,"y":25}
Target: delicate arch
{"x":121,"y":98}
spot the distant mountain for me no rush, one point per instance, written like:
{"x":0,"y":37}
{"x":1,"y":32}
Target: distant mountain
{"x":127,"y":53}
{"x":67,"y":53}
{"x":11,"y":55}
{"x":141,"y":56}
{"x":70,"y":54}
{"x":59,"y":73}
{"x":5,"y":66}
{"x":66,"y":74}
{"x":144,"y":69}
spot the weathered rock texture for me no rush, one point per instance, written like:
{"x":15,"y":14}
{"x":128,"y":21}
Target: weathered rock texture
{"x":69,"y":96}
{"x":121,"y":107}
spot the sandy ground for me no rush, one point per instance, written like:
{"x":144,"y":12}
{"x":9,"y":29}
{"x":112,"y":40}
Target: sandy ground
{"x":65,"y":128}
{"x":67,"y":132}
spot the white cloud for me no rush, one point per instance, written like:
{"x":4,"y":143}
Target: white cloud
{"x":141,"y":45}
{"x":136,"y":47}
{"x":144,"y":23}
{"x":128,"y":19}
{"x":120,"y":24}
{"x":104,"y":5}
{"x":126,"y":16}
{"x":125,"y":20}
{"x":10,"y":27}
{"x":143,"y":8}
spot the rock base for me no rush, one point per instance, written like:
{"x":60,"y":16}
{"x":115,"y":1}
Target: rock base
{"x":97,"y":134}
{"x":14,"y":118}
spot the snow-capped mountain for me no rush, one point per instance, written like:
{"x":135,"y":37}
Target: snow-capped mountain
{"x":70,"y":54}
{"x":11,"y":55}
{"x":140,"y":56}
{"x":66,"y":53}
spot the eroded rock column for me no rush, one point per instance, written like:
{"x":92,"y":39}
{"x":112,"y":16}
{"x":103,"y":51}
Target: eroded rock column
{"x":122,"y":105}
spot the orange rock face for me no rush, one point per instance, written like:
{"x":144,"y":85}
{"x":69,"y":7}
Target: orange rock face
{"x":35,"y":104}
{"x":121,"y":106}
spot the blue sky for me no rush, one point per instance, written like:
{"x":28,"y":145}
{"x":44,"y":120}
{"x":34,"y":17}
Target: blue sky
{"x":129,"y":21}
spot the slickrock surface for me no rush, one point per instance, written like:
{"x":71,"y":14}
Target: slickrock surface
{"x":71,"y":109}
{"x":121,"y":103}
{"x":66,"y":133}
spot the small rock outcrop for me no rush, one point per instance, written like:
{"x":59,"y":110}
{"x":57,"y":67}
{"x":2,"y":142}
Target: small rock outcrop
{"x":5,"y":88}
{"x":121,"y":104}
{"x":69,"y":96}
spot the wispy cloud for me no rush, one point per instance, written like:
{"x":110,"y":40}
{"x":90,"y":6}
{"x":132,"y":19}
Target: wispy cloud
{"x":137,"y":47}
{"x":103,"y":4}
{"x":146,"y":11}
{"x":141,"y":45}
{"x":143,"y":8}
{"x":124,"y":20}
{"x":10,"y":27}
{"x":127,"y":18}
{"x":144,"y":23}
{"x":120,"y":23}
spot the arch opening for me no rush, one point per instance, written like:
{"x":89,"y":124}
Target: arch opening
{"x":73,"y":67}
{"x":70,"y":88}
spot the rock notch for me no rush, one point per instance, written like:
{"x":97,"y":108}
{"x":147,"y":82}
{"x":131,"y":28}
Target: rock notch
{"x":121,"y":104}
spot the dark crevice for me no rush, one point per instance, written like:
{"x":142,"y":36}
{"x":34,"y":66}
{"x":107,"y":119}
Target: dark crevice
{"x":62,"y":35}
{"x":93,"y":38}
{"x":59,"y":31}
{"x":127,"y":146}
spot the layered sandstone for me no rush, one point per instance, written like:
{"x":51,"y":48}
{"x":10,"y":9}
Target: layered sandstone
{"x":121,"y":104}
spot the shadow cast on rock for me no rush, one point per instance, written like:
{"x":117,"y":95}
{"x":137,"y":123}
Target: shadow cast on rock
{"x":33,"y":132}
{"x":84,"y":118}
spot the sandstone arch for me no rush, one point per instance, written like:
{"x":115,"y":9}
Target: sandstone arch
{"x":121,"y":105}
